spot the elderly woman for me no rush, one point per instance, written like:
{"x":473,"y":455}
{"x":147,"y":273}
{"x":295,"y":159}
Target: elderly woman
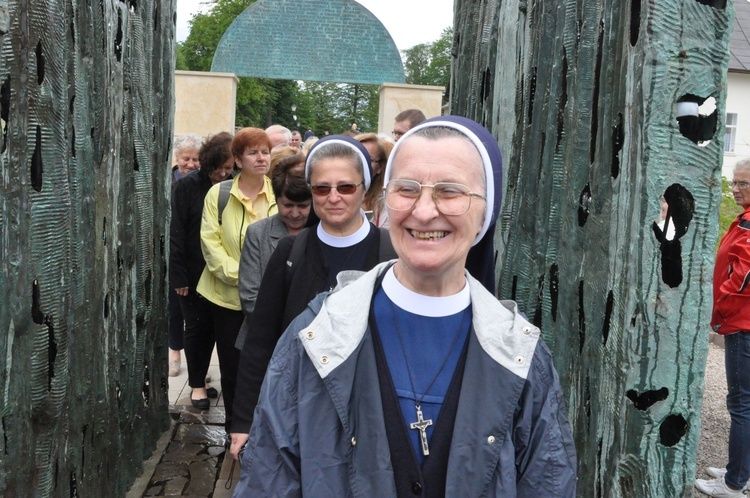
{"x":186,"y":261}
{"x":338,"y":171}
{"x":186,"y":149}
{"x":731,"y":318}
{"x":293,"y":198}
{"x":413,"y":379}
{"x":249,"y":198}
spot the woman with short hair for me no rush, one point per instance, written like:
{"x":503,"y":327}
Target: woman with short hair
{"x":249,"y":198}
{"x":186,"y":149}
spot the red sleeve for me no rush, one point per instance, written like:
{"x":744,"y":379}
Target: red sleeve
{"x":734,"y":292}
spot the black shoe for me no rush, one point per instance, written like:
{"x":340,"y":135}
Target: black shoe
{"x":212,"y":393}
{"x":202,"y":404}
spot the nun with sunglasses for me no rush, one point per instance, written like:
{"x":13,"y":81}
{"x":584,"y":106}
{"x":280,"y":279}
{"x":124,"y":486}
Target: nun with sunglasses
{"x":339,"y":172}
{"x":413,"y":379}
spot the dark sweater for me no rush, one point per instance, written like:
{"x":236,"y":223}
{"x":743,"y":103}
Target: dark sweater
{"x":185,"y":256}
{"x":279,"y":302}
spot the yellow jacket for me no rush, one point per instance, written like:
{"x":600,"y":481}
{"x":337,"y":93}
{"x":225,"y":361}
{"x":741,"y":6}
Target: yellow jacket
{"x":222,"y":244}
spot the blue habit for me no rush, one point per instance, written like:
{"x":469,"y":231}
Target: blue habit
{"x":427,"y":341}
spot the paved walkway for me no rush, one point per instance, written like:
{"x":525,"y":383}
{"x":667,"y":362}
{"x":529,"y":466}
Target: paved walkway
{"x":190,"y":459}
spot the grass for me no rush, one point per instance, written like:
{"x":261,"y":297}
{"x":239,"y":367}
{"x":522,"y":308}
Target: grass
{"x":728,"y":209}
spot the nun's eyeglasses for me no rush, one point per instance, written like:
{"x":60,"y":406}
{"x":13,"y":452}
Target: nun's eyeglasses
{"x":451,"y":199}
{"x":343,"y":189}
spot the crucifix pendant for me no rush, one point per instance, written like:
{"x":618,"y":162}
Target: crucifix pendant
{"x":421,"y":425}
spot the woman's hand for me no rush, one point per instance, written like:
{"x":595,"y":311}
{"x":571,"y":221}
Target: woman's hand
{"x":182,"y":291}
{"x":238,"y":442}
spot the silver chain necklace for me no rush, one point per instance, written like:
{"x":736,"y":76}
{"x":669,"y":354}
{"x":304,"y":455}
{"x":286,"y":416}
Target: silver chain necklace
{"x":421,"y":424}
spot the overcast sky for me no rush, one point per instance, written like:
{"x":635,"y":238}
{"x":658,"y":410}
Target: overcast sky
{"x":408,"y":21}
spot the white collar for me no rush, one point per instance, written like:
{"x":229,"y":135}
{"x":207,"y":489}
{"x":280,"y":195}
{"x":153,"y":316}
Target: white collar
{"x":348,"y":240}
{"x":422,"y":305}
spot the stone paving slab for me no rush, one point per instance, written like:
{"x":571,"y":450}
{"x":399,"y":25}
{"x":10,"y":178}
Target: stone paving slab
{"x":191,"y":463}
{"x":210,"y":435}
{"x":188,"y":415}
{"x":202,"y":477}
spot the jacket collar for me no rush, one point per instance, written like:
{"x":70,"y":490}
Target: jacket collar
{"x":278,"y":229}
{"x":743,"y":219}
{"x":266,"y":190}
{"x":337,"y":330}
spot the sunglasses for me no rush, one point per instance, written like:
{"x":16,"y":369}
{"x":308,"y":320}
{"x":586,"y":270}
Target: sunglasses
{"x":343,"y":189}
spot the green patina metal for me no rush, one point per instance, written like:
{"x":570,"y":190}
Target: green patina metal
{"x":86,"y":104}
{"x":320,"y":40}
{"x":582,"y":98}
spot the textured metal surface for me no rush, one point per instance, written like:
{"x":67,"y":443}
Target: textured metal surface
{"x":581,"y":96}
{"x":86,"y":102}
{"x":320,"y":40}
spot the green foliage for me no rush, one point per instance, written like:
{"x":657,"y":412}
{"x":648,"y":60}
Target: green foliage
{"x":180,"y":63}
{"x":728,"y":209}
{"x":206,"y":30}
{"x":430,"y":63}
{"x":336,"y":106}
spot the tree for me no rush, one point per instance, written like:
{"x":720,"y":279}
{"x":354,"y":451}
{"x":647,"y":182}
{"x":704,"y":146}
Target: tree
{"x":336,"y":106}
{"x":206,"y":30}
{"x":260,"y":101}
{"x":430,"y":63}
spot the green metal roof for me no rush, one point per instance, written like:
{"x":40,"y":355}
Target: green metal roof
{"x":327,"y":40}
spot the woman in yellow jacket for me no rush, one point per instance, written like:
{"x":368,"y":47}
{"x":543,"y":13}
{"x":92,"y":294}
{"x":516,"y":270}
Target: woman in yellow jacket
{"x":222,"y":236}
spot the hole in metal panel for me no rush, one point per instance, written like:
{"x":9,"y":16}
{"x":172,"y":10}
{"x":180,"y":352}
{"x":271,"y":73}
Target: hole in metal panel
{"x":584,"y":205}
{"x":607,"y":316}
{"x":672,"y":430}
{"x":581,"y":319}
{"x":646,"y":399}
{"x":37,"y":168}
{"x":594,"y":130}
{"x":618,"y":137}
{"x":677,"y":210}
{"x":554,"y":287}
{"x":635,"y":21}
{"x":697,"y":118}
{"x":40,"y":63}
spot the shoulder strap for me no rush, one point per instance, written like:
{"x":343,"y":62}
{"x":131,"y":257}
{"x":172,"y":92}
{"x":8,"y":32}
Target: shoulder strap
{"x":386,"y":252}
{"x":295,"y":255}
{"x":224,"y":188}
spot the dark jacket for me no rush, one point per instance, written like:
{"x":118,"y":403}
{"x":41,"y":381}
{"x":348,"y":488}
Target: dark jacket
{"x":185,"y":256}
{"x":320,"y":428}
{"x":280,"y":300}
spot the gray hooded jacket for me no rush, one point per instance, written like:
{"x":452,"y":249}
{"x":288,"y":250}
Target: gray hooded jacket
{"x":319,"y":427}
